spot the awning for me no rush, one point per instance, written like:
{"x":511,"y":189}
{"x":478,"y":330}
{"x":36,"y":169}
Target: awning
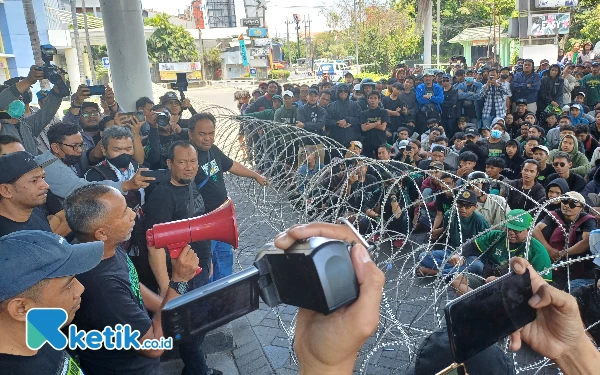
{"x":477,"y":33}
{"x":65,"y":17}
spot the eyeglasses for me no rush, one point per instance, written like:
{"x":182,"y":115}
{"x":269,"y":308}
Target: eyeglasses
{"x":559,"y":164}
{"x":75,"y":147}
{"x":515,"y":231}
{"x":88,"y":114}
{"x":464,"y":205}
{"x":445,"y":80}
{"x":570,"y":202}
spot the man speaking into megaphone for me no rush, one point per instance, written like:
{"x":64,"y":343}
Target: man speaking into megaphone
{"x":209,"y":180}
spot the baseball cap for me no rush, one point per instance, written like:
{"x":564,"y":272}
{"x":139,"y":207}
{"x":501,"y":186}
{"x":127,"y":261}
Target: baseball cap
{"x":518,"y":219}
{"x":521,"y":101}
{"x":357,"y":144}
{"x":541,"y":147}
{"x":576,"y":105}
{"x":580,"y":93}
{"x":18,"y":163}
{"x":170,"y":95}
{"x":436,"y":165}
{"x":313,"y":92}
{"x":438,"y":148}
{"x":402,"y":144}
{"x":30,"y":256}
{"x":288,"y":93}
{"x":471,"y":132}
{"x":596,"y":63}
{"x":428,"y":72}
{"x":42,"y":94}
{"x":576,"y":196}
{"x":278,"y":97}
{"x":434,"y":355}
{"x":467,"y":196}
{"x":432,"y":121}
{"x":446,"y":76}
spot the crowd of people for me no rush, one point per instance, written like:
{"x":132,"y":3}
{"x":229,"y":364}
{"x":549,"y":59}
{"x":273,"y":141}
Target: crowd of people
{"x":75,"y":198}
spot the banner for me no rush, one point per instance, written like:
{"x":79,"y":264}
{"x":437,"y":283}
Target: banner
{"x":550,"y":24}
{"x":168,"y":71}
{"x":555,"y":3}
{"x":243,"y":50}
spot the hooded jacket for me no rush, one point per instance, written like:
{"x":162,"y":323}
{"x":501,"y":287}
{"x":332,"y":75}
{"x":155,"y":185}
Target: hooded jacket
{"x":563,"y":186}
{"x":579,"y":119}
{"x":313,"y":117}
{"x":581,"y":165}
{"x":551,"y":89}
{"x":592,"y":187}
{"x":343,"y":110}
{"x":512,"y":168}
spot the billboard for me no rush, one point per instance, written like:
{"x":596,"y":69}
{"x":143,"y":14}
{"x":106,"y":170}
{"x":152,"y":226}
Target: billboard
{"x":168,"y":71}
{"x":555,"y":3}
{"x":257,"y":32}
{"x":549,"y":24}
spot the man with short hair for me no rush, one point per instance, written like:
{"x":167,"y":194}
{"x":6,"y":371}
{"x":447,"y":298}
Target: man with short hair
{"x":526,"y":84}
{"x":437,"y":153}
{"x":324,"y":99}
{"x":265,"y":101}
{"x":39,"y":270}
{"x":521,"y":110}
{"x":213,"y":163}
{"x":429,"y":96}
{"x":562,"y":165}
{"x":409,"y":105}
{"x":343,"y":119}
{"x":467,"y":161}
{"x":493,"y":168}
{"x":288,"y":113}
{"x":591,"y":84}
{"x":312,"y":117}
{"x":373,"y":122}
{"x":582,"y":132}
{"x":65,"y":174}
{"x":525,"y":193}
{"x":114,"y":295}
{"x":494,"y":95}
{"x":10,"y":144}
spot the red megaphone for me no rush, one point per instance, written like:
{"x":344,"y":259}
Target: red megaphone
{"x":219,"y":225}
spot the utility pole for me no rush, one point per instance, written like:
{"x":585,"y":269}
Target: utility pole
{"x":309,"y":40}
{"x":427,"y":37}
{"x":356,"y":36}
{"x":297,"y":21}
{"x":287,"y":30}
{"x":305,"y":37}
{"x":438,"y":34}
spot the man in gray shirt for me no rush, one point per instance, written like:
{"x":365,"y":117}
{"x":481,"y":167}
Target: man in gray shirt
{"x":27,"y":129}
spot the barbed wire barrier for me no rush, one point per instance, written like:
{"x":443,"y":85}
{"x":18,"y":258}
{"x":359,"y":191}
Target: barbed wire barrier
{"x":412,"y":307}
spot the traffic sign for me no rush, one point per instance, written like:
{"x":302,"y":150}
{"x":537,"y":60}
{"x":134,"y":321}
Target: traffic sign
{"x":253,"y":72}
{"x":250,"y":22}
{"x":105,"y":62}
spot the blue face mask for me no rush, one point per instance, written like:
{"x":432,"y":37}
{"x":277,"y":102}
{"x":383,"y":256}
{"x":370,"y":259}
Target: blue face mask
{"x":16,"y":109}
{"x":496,"y":134}
{"x":470,"y":79}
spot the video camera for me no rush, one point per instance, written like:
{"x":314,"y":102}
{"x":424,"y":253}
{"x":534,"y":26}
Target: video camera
{"x":181,"y":85}
{"x":316,"y":274}
{"x":51,"y":72}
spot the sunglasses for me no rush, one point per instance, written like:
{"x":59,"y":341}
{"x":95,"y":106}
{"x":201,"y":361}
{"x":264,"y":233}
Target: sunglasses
{"x":559,"y":164}
{"x":88,"y":114}
{"x":570,"y":202}
{"x":445,"y":80}
{"x":464,"y":205}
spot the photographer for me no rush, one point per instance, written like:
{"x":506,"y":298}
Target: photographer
{"x":176,"y":107}
{"x":27,"y":129}
{"x":169,"y":132}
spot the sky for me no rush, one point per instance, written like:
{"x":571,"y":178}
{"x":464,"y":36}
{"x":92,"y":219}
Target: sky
{"x":277,"y":11}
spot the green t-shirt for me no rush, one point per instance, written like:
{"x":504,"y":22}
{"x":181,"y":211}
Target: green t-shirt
{"x":591,"y":84}
{"x":493,"y":246}
{"x":469,"y":227}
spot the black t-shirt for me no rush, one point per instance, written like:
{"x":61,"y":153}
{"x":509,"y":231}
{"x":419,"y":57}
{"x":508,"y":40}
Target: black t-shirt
{"x":212,"y":165}
{"x":374,"y":137}
{"x":112,"y":296}
{"x":542,"y":178}
{"x":168,"y":203}
{"x":37,"y":221}
{"x":47,"y":361}
{"x":392,"y":105}
{"x":443,"y":203}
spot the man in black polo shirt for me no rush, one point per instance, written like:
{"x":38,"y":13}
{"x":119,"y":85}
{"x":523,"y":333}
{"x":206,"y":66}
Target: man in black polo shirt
{"x":213,"y":163}
{"x":22,"y":191}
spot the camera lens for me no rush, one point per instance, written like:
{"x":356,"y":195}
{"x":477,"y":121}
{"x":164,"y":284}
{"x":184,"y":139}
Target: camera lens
{"x":162,"y":119}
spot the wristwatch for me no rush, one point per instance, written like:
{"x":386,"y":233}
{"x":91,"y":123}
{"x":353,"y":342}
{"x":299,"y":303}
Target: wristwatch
{"x":180,"y":287}
{"x":75,"y":106}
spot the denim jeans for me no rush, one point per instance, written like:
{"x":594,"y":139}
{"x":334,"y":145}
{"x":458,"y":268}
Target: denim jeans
{"x":487,"y":122}
{"x":578,"y":283}
{"x":434,"y":259}
{"x":191,"y":351}
{"x":222,"y":258}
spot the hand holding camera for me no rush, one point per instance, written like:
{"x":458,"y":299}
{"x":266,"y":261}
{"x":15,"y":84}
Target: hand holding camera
{"x":36,"y":73}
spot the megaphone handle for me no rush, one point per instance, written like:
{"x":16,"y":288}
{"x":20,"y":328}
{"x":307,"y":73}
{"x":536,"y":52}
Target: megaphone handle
{"x":176,"y":249}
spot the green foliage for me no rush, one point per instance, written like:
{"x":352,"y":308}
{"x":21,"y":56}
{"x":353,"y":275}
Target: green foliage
{"x":169,"y":43}
{"x":514,"y":56}
{"x":374,"y":76}
{"x":101,"y":72}
{"x":279,"y":74}
{"x":585,"y":23}
{"x":246,"y":75}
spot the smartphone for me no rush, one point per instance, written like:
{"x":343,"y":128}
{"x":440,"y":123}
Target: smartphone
{"x":453,"y":369}
{"x":140,"y":116}
{"x":128,"y":113}
{"x":97,"y":90}
{"x":483,"y":316}
{"x":160,"y":175}
{"x":211,"y":306}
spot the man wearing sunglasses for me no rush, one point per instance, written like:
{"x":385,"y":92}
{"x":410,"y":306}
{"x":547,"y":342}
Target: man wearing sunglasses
{"x":562,"y":164}
{"x":572,"y":218}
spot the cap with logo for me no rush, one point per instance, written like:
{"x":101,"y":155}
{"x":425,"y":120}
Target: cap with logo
{"x":402,"y":144}
{"x":521,"y":101}
{"x":278,"y":97}
{"x":518,"y":220}
{"x":438,"y":148}
{"x":436,"y":165}
{"x":169,"y":96}
{"x":471,"y":132}
{"x":428,"y":72}
{"x":467,"y":196}
{"x":288,"y":93}
{"x":30,"y":256}
{"x":16,"y":164}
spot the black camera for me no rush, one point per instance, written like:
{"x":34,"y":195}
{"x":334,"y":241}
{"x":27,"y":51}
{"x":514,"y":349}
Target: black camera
{"x":51,"y":72}
{"x":181,"y":85}
{"x":162,"y":119}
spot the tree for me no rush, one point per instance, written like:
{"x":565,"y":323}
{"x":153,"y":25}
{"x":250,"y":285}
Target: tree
{"x":585,"y":23}
{"x":77,"y":45}
{"x":169,"y":43}
{"x":34,"y":36}
{"x":212,"y":62}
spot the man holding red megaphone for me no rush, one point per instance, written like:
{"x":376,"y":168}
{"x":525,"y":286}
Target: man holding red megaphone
{"x":167,"y":212}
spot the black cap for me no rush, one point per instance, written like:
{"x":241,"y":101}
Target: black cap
{"x":432,"y":121}
{"x":169,"y":96}
{"x":438,"y":148}
{"x":521,"y":101}
{"x":471,"y":132}
{"x":17,"y":164}
{"x":313,"y":91}
{"x":349,"y":74}
{"x":596,"y":63}
{"x":467,"y":196}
